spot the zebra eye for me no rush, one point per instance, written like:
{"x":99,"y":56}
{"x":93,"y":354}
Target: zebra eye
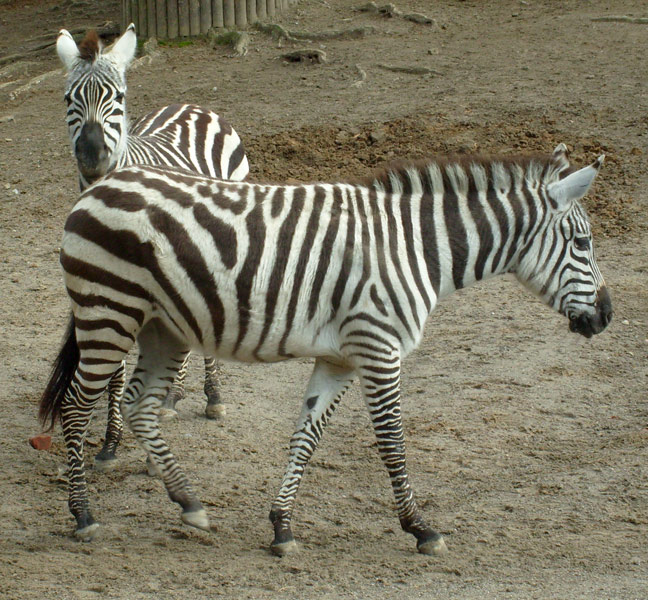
{"x":582,"y":243}
{"x":68,"y":99}
{"x":119,"y":97}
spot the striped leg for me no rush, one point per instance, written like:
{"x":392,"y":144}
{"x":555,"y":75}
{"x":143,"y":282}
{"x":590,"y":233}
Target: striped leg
{"x":215,"y":408}
{"x":176,"y":393}
{"x":325,"y":390}
{"x":106,"y":460}
{"x":380,"y":381}
{"x":159,"y":361}
{"x":88,"y":385}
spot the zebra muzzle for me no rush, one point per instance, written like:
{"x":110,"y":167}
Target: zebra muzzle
{"x":91,"y":151}
{"x":590,"y":324}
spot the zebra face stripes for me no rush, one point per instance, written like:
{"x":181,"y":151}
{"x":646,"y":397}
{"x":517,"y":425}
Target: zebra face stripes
{"x":95,"y":97}
{"x":344,"y":273}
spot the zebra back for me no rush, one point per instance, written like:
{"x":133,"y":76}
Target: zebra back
{"x":189,"y":137}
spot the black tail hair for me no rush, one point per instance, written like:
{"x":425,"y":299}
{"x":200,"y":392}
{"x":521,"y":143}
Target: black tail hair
{"x":63,"y":370}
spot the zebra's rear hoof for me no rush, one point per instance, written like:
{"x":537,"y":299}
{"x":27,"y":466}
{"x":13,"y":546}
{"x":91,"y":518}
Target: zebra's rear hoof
{"x":88,"y":533}
{"x":152,"y":469}
{"x":434,"y":546}
{"x":168,"y":414}
{"x":196,"y":518}
{"x":284,"y":548}
{"x":103,"y":465}
{"x":215,"y":412}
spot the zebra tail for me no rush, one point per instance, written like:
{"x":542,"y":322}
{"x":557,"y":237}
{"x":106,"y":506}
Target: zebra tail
{"x":63,"y":370}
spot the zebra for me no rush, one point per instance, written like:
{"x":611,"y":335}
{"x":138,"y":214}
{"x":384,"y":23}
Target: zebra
{"x":346,"y":273}
{"x":181,"y":135}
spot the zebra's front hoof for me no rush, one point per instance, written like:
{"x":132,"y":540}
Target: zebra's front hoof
{"x":284,"y":548}
{"x":433,"y":546}
{"x":168,"y":414}
{"x":196,"y":518}
{"x":215,"y":412}
{"x":87,"y":533}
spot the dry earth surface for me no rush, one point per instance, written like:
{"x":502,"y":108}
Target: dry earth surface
{"x":527,"y":445}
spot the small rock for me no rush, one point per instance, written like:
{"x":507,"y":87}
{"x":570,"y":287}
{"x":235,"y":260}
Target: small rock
{"x":377,"y":135}
{"x":41,"y":441}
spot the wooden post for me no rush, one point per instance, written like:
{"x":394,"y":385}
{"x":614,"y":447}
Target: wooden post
{"x":172,"y":18}
{"x":217,"y":13}
{"x":183,"y":18}
{"x":241,"y":12}
{"x":262,"y":13}
{"x":161,"y":19}
{"x":125,"y":14}
{"x":151,"y":30}
{"x":270,"y":5}
{"x":194,"y":17}
{"x":229,"y":20}
{"x":251,"y":11}
{"x":141,"y":10}
{"x":205,"y":15}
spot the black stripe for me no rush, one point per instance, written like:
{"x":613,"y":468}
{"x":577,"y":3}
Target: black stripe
{"x":304,"y":255}
{"x":256,"y":233}
{"x":325,"y":252}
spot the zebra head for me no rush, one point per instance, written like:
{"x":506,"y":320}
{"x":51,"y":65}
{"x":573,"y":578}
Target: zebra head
{"x":558,"y":262}
{"x":95,"y":95}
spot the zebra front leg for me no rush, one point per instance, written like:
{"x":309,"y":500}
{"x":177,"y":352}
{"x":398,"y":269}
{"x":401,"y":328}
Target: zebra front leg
{"x":380,"y":381}
{"x":176,"y":393}
{"x":325,"y":390}
{"x":215,"y":408}
{"x":158,"y":364}
{"x":106,"y":459}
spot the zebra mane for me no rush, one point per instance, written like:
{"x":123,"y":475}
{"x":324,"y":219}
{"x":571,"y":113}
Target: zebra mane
{"x":406,"y":175}
{"x":90,"y":47}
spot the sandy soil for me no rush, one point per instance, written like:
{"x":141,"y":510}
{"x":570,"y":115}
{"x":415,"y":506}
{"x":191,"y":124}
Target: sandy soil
{"x":527,"y":445}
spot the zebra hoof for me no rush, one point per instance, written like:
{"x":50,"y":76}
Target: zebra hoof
{"x":284,"y":548}
{"x":152,"y":469}
{"x":197,"y":519}
{"x":215,"y":412}
{"x":88,"y":533}
{"x":103,"y":465}
{"x":168,"y":414}
{"x":434,"y":546}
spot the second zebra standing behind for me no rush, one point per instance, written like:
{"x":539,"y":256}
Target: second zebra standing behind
{"x":179,"y":135}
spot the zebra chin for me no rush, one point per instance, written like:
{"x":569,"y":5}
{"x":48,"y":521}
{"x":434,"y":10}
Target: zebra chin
{"x":589,"y":324}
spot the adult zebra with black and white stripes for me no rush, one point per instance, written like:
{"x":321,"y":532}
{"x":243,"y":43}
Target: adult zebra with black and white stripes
{"x":345,"y":273}
{"x":179,"y":135}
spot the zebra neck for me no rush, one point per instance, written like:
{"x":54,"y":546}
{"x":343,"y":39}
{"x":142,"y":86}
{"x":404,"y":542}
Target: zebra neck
{"x":470,"y":237}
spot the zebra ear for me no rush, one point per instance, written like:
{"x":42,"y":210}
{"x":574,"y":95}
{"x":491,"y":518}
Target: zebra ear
{"x":123,"y":50}
{"x":559,"y":156}
{"x":67,"y":49}
{"x":574,"y":186}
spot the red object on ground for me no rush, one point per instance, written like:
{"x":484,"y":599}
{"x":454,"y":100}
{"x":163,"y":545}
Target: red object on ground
{"x":41,"y":441}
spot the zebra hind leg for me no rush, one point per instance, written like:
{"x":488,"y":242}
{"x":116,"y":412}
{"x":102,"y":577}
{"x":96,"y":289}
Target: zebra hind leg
{"x":106,"y":459}
{"x":88,"y":385}
{"x":176,"y":393}
{"x":325,"y":390}
{"x":215,"y":408}
{"x":160,"y":358}
{"x":380,"y":381}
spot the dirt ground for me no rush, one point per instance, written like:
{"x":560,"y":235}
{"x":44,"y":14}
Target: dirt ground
{"x":527,"y":445}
